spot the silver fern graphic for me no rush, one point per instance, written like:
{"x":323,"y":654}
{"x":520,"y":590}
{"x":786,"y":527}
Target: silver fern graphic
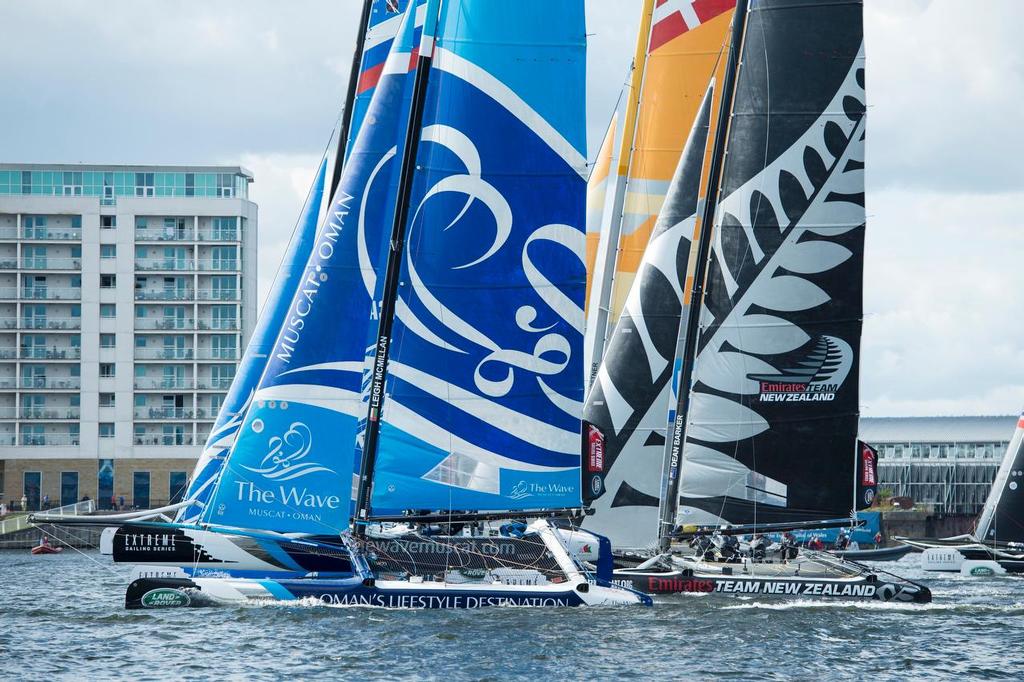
{"x":827,"y":164}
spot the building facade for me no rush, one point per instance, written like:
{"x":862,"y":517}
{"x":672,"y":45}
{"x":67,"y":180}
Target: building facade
{"x":949,"y":462}
{"x":127,"y":294}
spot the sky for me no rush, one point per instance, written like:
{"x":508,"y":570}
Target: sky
{"x":260,"y":83}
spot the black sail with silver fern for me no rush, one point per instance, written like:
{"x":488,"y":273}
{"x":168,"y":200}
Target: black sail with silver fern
{"x":631,"y":395}
{"x":771,"y":430}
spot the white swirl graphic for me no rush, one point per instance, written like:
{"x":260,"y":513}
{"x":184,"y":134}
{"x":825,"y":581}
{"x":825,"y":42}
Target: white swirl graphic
{"x":283,"y":461}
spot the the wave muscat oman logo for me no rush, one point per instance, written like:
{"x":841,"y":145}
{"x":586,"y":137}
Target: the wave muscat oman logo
{"x":286,"y":455}
{"x":815,"y":376}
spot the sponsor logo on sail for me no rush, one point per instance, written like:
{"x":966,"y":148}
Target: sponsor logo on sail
{"x":814,"y":377}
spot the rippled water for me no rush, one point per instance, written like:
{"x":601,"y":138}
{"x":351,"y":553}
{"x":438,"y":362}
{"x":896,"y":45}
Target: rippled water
{"x":62,"y":616}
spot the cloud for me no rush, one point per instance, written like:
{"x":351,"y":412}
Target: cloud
{"x":260,"y":83}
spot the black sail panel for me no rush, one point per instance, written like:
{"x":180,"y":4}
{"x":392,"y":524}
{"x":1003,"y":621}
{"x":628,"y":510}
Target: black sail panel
{"x":1002,"y":519}
{"x":630,"y":399}
{"x":771,"y":431}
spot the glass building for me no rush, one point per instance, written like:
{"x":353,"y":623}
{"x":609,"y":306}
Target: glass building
{"x":948,"y":462}
{"x":126,"y":296}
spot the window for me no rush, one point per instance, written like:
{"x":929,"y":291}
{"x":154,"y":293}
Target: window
{"x":144,"y":185}
{"x":140,"y":400}
{"x":178,"y":482}
{"x":106,"y":430}
{"x":68,"y":487}
{"x":108,"y":250}
{"x":108,"y":341}
{"x":108,"y":282}
{"x":140,"y":489}
{"x":107,"y":399}
{"x":108,"y":310}
{"x":140,"y":223}
{"x":76,"y":222}
{"x":108,"y":222}
{"x":225,"y":229}
{"x":32,"y":481}
{"x":106,"y":370}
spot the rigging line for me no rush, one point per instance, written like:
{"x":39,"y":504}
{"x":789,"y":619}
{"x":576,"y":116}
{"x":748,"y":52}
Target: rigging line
{"x":90,"y":558}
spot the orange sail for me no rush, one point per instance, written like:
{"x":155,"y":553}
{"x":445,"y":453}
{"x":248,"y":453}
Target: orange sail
{"x":679,"y":51}
{"x":597,"y":197}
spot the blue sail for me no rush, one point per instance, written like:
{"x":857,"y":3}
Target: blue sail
{"x":291,"y":469}
{"x":485,"y":374}
{"x":254,"y":360}
{"x":385,"y":18}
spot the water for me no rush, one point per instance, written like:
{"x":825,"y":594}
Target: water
{"x":62,"y":617}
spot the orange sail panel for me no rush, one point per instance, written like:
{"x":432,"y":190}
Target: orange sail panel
{"x":597,"y":196}
{"x":686,"y":41}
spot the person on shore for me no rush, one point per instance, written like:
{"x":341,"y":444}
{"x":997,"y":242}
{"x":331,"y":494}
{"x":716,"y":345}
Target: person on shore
{"x":46,"y":501}
{"x":24,"y":503}
{"x":120,"y":503}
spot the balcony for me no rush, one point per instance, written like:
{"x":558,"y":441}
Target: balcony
{"x":163,"y":384}
{"x":8,"y":263}
{"x":217,"y":354}
{"x":56,"y":383}
{"x":217,"y":295}
{"x":52,"y":353}
{"x":51,"y":293}
{"x":165,"y":440}
{"x":219,"y":235}
{"x":164,"y":323}
{"x":10,"y":293}
{"x":171,"y":234}
{"x":57,"y":323}
{"x":211,"y":384}
{"x":7,"y":439}
{"x":8,"y":353}
{"x":49,"y":413}
{"x":8,"y":412}
{"x":217,"y":265}
{"x":49,"y":263}
{"x":172,"y":264}
{"x":8,"y":382}
{"x":48,"y":439}
{"x":164,"y":295}
{"x":42,"y":233}
{"x":165,"y":413}
{"x":163,"y":353}
{"x":221,"y":324}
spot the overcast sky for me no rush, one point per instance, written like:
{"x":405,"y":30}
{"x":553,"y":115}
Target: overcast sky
{"x":260,"y":82}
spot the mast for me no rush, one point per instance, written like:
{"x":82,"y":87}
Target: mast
{"x":608,"y":245}
{"x":391,"y":276}
{"x":691,"y":307}
{"x":350,"y":96}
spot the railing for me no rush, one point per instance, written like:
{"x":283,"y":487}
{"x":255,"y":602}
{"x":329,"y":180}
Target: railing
{"x":165,"y":235}
{"x":163,"y":353}
{"x":163,"y":264}
{"x":8,"y":382}
{"x":164,"y":323}
{"x":218,"y":265}
{"x":63,"y":383}
{"x":8,"y":263}
{"x":168,"y":413}
{"x":48,"y":439}
{"x":40,"y":233}
{"x":217,"y":354}
{"x":7,"y":439}
{"x":8,"y":353}
{"x":37,"y":353}
{"x":164,"y":440}
{"x":50,"y":263}
{"x":219,"y":235}
{"x":51,"y":293}
{"x":217,"y":295}
{"x":41,"y":323}
{"x":207,"y":384}
{"x":8,"y":412}
{"x":50,"y":413}
{"x":163,"y":384}
{"x":164,"y":295}
{"x":18,"y":523}
{"x":9,"y":292}
{"x":218,"y":324}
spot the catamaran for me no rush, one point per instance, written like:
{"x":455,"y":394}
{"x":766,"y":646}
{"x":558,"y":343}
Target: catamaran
{"x":996,"y":546}
{"x":429,"y":368}
{"x":726,"y":401}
